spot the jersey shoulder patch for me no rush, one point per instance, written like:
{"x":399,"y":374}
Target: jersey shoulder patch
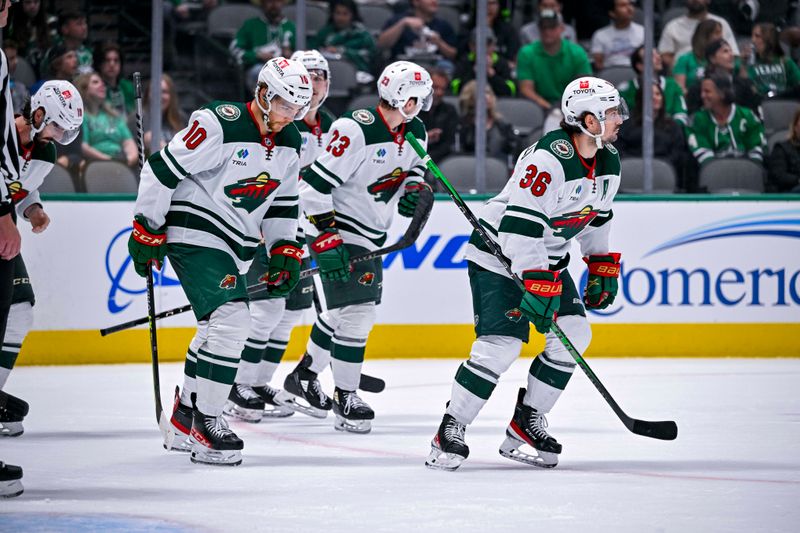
{"x":235,"y":121}
{"x":362,"y":116}
{"x":558,"y":144}
{"x":44,"y":152}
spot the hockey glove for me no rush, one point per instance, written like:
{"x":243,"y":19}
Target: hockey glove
{"x":541,"y":299}
{"x":332,"y":257}
{"x":601,"y":288}
{"x":146,"y":245}
{"x":284,"y":267}
{"x":408,"y":202}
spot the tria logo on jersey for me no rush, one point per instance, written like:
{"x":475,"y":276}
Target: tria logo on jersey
{"x":386,"y":186}
{"x":570,"y":224}
{"x":250,"y":193}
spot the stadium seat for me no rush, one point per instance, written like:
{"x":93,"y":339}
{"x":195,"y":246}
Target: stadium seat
{"x":732,"y":176}
{"x":617,"y":75}
{"x":59,"y":180}
{"x":775,"y":138}
{"x":224,"y":21}
{"x":343,"y":78}
{"x":460,"y":172}
{"x":374,"y":16}
{"x":778,"y":114}
{"x":110,"y":176}
{"x":521,"y":113}
{"x":664,"y":178}
{"x":316,"y":16}
{"x":24,"y":73}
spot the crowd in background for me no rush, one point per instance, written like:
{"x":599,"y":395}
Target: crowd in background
{"x":715,"y":64}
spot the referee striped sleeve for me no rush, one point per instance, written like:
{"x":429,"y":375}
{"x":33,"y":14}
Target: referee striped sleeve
{"x":9,"y":156}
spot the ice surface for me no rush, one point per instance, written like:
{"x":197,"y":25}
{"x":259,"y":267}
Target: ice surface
{"x":93,"y":459}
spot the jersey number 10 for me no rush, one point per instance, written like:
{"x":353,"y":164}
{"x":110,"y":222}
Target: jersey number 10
{"x":537,"y":181}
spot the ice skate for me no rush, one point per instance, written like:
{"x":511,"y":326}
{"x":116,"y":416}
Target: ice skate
{"x":448,"y":448}
{"x":352,"y":413}
{"x":10,"y":480}
{"x":12,"y":411}
{"x":309,"y":397}
{"x":244,"y":403}
{"x":180,"y":425}
{"x":527,"y":427}
{"x":277,"y":402}
{"x":213,"y":442}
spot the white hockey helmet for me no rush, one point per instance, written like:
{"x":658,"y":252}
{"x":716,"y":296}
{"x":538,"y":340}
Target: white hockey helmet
{"x":591,"y":95}
{"x":288,"y":79}
{"x":403,"y":80}
{"x":313,"y":60}
{"x":63,"y":106}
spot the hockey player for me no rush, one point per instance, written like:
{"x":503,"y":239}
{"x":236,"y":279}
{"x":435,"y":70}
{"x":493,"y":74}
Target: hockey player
{"x":55,"y":113}
{"x":562,"y":188}
{"x":350,"y":194}
{"x":272,"y":318}
{"x":226,"y":181}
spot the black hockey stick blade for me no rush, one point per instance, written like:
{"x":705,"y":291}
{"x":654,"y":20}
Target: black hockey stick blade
{"x":664,"y":430}
{"x":371,"y":384}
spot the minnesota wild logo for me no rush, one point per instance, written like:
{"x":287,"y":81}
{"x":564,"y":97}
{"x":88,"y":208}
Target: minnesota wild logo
{"x":514,"y":315}
{"x":228,"y":282}
{"x":367,"y":278}
{"x":17,"y":192}
{"x":250,"y":193}
{"x":387,"y":185}
{"x":570,"y":224}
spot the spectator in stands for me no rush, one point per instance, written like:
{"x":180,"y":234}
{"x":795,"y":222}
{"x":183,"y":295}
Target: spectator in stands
{"x":30,"y":29}
{"x":105,"y":135}
{"x":613,"y":45}
{"x":501,"y":140}
{"x":529,"y":33}
{"x":418,"y":32}
{"x":440,"y":120}
{"x":498,"y":71}
{"x":669,"y":142}
{"x":19,"y":92}
{"x":507,"y":44}
{"x":119,"y":91}
{"x":676,"y":39}
{"x":723,"y":128}
{"x":545,"y":67}
{"x":784,"y":161}
{"x":187,"y":9}
{"x":262,"y":38}
{"x":674,"y":103}
{"x":173,"y":119}
{"x":72,"y":33}
{"x":774,"y":74}
{"x":62,"y":64}
{"x":690,"y":67}
{"x":720,"y":60}
{"x":345,"y":36}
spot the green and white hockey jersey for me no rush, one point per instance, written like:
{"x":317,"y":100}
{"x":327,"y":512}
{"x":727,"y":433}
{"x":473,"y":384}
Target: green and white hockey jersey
{"x":220,"y":184}
{"x":34,"y":165}
{"x":315,"y":137}
{"x":551,"y":198}
{"x":742,"y":135}
{"x":361,"y":175}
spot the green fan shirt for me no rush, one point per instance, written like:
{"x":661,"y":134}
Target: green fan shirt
{"x":552,"y":73}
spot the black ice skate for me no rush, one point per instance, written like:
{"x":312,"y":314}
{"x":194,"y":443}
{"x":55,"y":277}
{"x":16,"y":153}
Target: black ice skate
{"x":12,"y":411}
{"x":528,"y":427}
{"x":180,"y":425}
{"x":277,"y":402}
{"x":352,"y":413}
{"x":213,"y":442}
{"x":448,"y":448}
{"x":10,"y":480}
{"x":303,"y":384}
{"x":244,"y":403}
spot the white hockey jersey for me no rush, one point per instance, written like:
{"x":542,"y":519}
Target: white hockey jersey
{"x":34,"y":165}
{"x":314,"y":138}
{"x":550,"y":199}
{"x":361,"y":175}
{"x":220,"y":184}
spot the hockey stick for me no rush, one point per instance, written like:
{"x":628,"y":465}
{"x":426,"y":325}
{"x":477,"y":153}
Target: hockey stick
{"x":664,"y":430}
{"x":161,"y":418}
{"x":418,"y":221}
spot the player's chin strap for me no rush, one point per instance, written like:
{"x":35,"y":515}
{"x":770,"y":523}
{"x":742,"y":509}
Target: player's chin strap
{"x":598,"y":138}
{"x":261,"y":107}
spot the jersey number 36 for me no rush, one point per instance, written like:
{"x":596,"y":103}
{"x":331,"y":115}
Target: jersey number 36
{"x":537,"y":181}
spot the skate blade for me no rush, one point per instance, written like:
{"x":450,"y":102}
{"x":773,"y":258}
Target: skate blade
{"x":282,"y":406}
{"x":11,"y":429}
{"x":510,"y":450}
{"x":306,"y":409}
{"x":205,"y":456}
{"x":11,"y":489}
{"x":352,"y":426}
{"x":440,"y":460}
{"x":238,"y":412}
{"x":177,"y":442}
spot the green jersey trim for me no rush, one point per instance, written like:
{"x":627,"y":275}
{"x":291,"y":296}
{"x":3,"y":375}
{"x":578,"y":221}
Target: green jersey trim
{"x":283,"y":211}
{"x":219,"y":220}
{"x":163,"y":173}
{"x":174,"y":161}
{"x":189,"y":220}
{"x":527,"y":211}
{"x":521,"y":226}
{"x":352,"y":221}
